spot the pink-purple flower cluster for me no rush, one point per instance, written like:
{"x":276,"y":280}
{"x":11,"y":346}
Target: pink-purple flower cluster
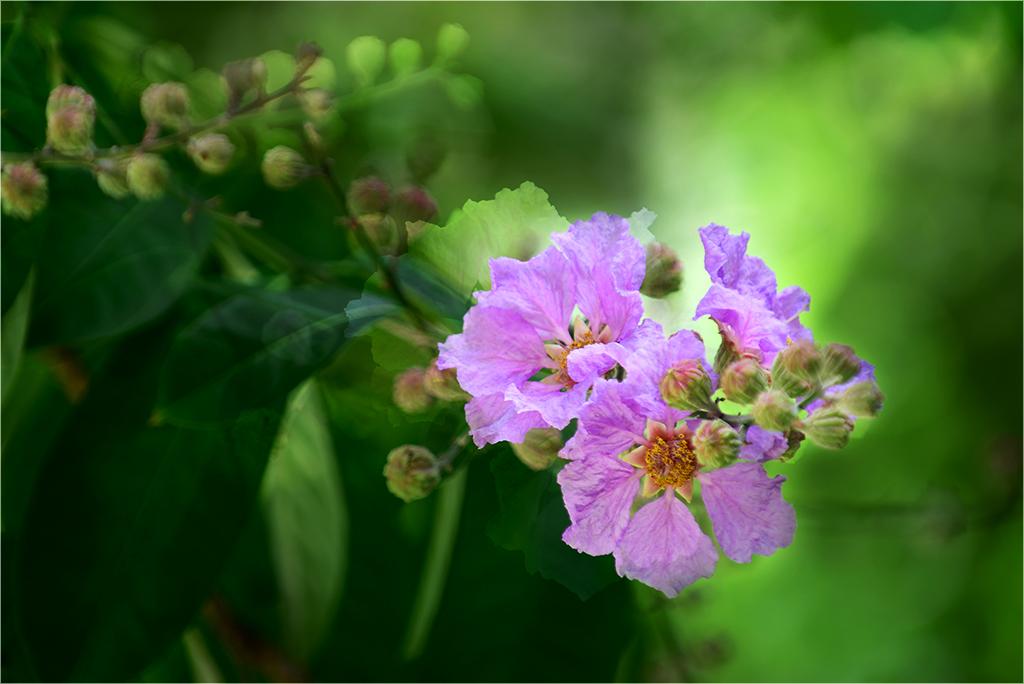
{"x":561,"y":337}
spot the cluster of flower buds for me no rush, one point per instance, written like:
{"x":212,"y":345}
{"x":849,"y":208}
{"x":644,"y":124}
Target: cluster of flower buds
{"x":416,"y":389}
{"x":389,"y":218}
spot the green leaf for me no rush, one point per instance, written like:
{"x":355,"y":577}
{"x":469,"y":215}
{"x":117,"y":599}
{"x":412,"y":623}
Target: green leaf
{"x":280,"y":68}
{"x":532,"y":520}
{"x":251,"y":349}
{"x":452,"y":41}
{"x":365,"y":56}
{"x":12,"y":336}
{"x":307,"y":522}
{"x":166,"y":62}
{"x":406,"y":56}
{"x":110,"y":266}
{"x":23,"y":125}
{"x":509,"y":225}
{"x":130,"y":525}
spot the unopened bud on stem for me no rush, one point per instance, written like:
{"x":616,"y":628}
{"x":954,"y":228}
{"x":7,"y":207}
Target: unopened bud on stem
{"x":412,"y":472}
{"x":774,"y":410}
{"x":687,"y":386}
{"x":409,"y":391}
{"x":716,"y":443}
{"x":244,"y":76}
{"x":70,"y":117}
{"x":664,"y":273}
{"x":211,"y":152}
{"x":862,"y":399}
{"x":369,"y":195}
{"x":148,"y":175}
{"x":23,"y":190}
{"x":442,"y":384}
{"x":839,"y":364}
{"x":165,"y":104}
{"x":112,"y":177}
{"x":284,"y":168}
{"x":743,"y":380}
{"x":414,"y":204}
{"x":796,"y":367}
{"x":539,"y":448}
{"x":828,"y":427}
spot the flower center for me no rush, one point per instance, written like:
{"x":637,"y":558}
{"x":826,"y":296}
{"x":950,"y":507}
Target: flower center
{"x":578,"y":343}
{"x":670,"y":463}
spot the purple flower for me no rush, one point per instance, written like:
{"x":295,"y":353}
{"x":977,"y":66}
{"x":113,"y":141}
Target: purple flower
{"x":629,"y":443}
{"x":752,"y":315}
{"x":524,"y":358}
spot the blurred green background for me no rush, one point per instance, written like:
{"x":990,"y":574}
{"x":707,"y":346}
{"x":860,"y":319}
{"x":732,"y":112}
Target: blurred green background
{"x":873,"y":151}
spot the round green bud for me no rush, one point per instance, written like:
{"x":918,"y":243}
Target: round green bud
{"x":165,"y":104}
{"x":365,"y":56}
{"x":306,"y":55}
{"x":112,"y":177}
{"x":828,"y":427}
{"x":687,"y":386}
{"x":383,"y":232}
{"x":317,"y":103}
{"x":539,"y":448}
{"x":411,"y":472}
{"x":742,"y":381}
{"x":862,"y":399}
{"x":796,"y":367}
{"x":23,"y":190}
{"x":147,"y":176}
{"x":409,"y":391}
{"x":839,"y":364}
{"x":406,"y":55}
{"x":664,"y":273}
{"x":244,"y":76}
{"x":727,"y":353}
{"x":283,"y":167}
{"x":452,"y":41}
{"x":70,"y":118}
{"x":442,"y":384}
{"x":774,"y":410}
{"x":211,"y":152}
{"x":716,"y":443}
{"x":413,"y":204}
{"x":369,"y":195}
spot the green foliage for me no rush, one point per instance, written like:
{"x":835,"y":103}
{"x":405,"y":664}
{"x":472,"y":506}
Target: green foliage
{"x":366,"y":55}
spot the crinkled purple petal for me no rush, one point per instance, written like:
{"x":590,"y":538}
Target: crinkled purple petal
{"x":609,"y":424}
{"x":598,"y":494}
{"x":763,"y":445}
{"x":542,"y":290}
{"x":556,"y":407}
{"x":726,"y":261}
{"x":747,"y":510}
{"x":664,"y":547}
{"x":587,"y":364}
{"x":493,"y":419}
{"x":496,"y":348}
{"x":753,"y":326}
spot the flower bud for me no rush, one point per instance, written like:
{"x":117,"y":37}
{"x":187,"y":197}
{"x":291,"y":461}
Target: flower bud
{"x":22,"y":190}
{"x":862,"y":399}
{"x":828,"y":427}
{"x":727,"y":353}
{"x":165,"y":104}
{"x":414,"y":204}
{"x":365,"y":56}
{"x":368,"y":195}
{"x":716,"y":443}
{"x":411,"y":472}
{"x":112,"y":177}
{"x":316,"y":102}
{"x":382,"y":231}
{"x":147,"y":176}
{"x":211,"y":152}
{"x":774,"y":410}
{"x":743,"y":380}
{"x":442,"y":384}
{"x":409,"y":391}
{"x":839,"y":364}
{"x":306,"y":55}
{"x":452,"y":40}
{"x":539,"y":448}
{"x":244,"y":76}
{"x":687,"y":386}
{"x":796,"y":368}
{"x":664,"y":273}
{"x":283,"y":167}
{"x":70,"y":117}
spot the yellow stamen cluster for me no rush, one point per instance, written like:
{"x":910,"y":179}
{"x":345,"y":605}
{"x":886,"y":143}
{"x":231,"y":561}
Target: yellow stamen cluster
{"x":670,"y":464}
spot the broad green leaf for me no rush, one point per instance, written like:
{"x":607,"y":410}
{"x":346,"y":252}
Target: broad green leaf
{"x":509,"y":225}
{"x":365,"y":56}
{"x":405,"y":55}
{"x":110,"y":266}
{"x":306,"y":520}
{"x":251,"y":349}
{"x":12,"y":336}
{"x":532,"y":521}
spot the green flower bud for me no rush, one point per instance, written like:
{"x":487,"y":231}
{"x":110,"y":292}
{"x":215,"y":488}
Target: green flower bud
{"x":148,"y":175}
{"x":687,"y":386}
{"x":283,"y":167}
{"x":716,"y":443}
{"x":409,"y":391}
{"x":317,"y":103}
{"x":244,"y":76}
{"x":366,"y":56}
{"x":23,"y":190}
{"x":743,"y":380}
{"x":70,"y":117}
{"x":411,"y":472}
{"x":664,"y":273}
{"x":828,"y":427}
{"x":306,"y":55}
{"x":406,"y":55}
{"x":211,"y":152}
{"x":727,"y":353}
{"x":414,"y":204}
{"x":774,"y":410}
{"x":112,"y":177}
{"x":539,"y":448}
{"x":796,"y":367}
{"x":452,"y":41}
{"x":165,"y":104}
{"x":839,"y":364}
{"x":862,"y":399}
{"x":442,"y":384}
{"x":369,"y":195}
{"x":382,"y":231}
